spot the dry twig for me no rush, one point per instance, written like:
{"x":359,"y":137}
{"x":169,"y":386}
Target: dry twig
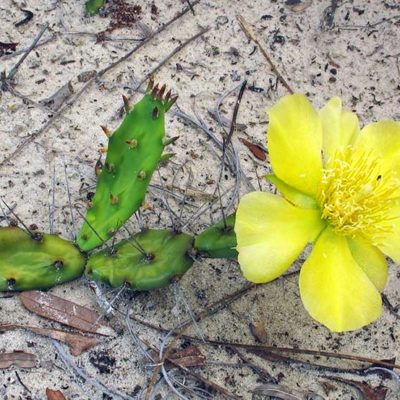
{"x":248,"y":30}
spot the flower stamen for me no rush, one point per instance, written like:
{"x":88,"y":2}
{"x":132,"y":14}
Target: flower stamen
{"x":356,"y":196}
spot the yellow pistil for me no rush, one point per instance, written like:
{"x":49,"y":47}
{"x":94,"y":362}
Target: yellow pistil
{"x":355,"y":195}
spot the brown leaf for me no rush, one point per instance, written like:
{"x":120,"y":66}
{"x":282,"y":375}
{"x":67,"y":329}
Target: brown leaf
{"x":18,"y":358}
{"x":369,"y":393}
{"x":257,"y":151}
{"x":189,"y":357}
{"x":257,"y":329}
{"x":65,"y":312}
{"x":77,"y":343}
{"x":54,"y":395}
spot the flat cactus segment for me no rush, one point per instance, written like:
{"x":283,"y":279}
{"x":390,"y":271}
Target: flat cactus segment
{"x":218,"y":241}
{"x":92,"y":7}
{"x":39,"y":262}
{"x":134,"y":151}
{"x":150,"y":260}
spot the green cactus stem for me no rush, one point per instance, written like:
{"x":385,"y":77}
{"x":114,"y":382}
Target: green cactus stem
{"x":36,"y":261}
{"x":219,"y":240}
{"x":92,"y":7}
{"x":134,"y":150}
{"x":150,"y":260}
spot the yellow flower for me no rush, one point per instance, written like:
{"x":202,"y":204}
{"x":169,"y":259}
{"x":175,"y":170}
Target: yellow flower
{"x":341,"y":192}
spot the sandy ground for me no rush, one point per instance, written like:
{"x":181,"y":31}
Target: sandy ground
{"x":350,"y":49}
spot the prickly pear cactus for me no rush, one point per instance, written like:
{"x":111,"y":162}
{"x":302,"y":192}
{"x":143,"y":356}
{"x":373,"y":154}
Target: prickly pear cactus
{"x":134,"y":151}
{"x":219,"y":240}
{"x":150,"y":260}
{"x":92,"y":7}
{"x":37,"y":261}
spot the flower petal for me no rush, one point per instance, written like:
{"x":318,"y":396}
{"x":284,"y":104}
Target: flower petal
{"x":390,"y":243}
{"x":292,"y":195}
{"x":271,"y":233}
{"x":371,"y":260}
{"x":382,"y":139}
{"x":340,"y":127}
{"x":334,"y":288}
{"x":295,"y":142}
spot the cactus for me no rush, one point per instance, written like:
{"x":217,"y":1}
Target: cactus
{"x":134,"y":151}
{"x":219,"y":240}
{"x":92,"y":7}
{"x":36,"y":261}
{"x":150,"y":259}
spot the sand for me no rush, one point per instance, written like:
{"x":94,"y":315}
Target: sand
{"x":322,"y":48}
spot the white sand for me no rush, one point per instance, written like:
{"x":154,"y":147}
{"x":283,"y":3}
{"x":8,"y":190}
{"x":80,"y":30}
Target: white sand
{"x":357,"y":62}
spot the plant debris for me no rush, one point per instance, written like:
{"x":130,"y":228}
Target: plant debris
{"x":28,"y":17}
{"x":283,"y":392}
{"x":257,"y":329}
{"x":102,"y":361}
{"x":368,"y":392}
{"x":19,"y":359}
{"x":7,"y":48}
{"x":55,"y":101}
{"x":122,"y":14}
{"x":77,"y":342}
{"x":54,"y":395}
{"x":257,"y":151}
{"x":189,"y":357}
{"x":65,"y":312}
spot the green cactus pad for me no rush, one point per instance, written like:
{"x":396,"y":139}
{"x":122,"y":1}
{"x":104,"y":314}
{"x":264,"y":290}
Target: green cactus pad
{"x":219,"y":240}
{"x":162,"y":258}
{"x":134,"y":151}
{"x":92,"y":7}
{"x":37,"y":261}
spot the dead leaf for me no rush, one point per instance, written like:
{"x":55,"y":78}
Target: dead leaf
{"x":7,"y":48}
{"x":54,"y":395}
{"x":189,"y":357}
{"x":65,"y":312}
{"x":369,"y":393}
{"x":19,"y":359}
{"x":55,"y":101}
{"x":257,"y":151}
{"x":77,"y":343}
{"x":257,"y":329}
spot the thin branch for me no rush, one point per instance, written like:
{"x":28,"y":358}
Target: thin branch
{"x":15,"y":68}
{"x":248,"y":30}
